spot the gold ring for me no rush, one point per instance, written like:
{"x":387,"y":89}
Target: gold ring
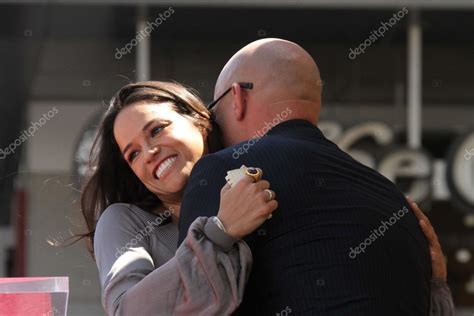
{"x":255,"y":173}
{"x":270,"y":194}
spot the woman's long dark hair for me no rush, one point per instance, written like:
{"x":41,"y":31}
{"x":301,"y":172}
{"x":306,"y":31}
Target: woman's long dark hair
{"x":110,"y":179}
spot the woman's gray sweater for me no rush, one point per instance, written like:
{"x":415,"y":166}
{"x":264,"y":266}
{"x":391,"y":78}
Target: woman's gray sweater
{"x":142,"y":272}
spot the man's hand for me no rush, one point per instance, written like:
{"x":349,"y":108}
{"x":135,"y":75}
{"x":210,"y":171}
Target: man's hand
{"x":438,"y":261}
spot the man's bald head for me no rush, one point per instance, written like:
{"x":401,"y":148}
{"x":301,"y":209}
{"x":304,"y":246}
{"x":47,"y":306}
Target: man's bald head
{"x":285,"y":78}
{"x":279,"y":70}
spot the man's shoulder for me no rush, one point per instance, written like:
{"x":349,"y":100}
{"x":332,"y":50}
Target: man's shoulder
{"x":257,"y":144}
{"x":216,"y":160}
{"x":276,"y":145}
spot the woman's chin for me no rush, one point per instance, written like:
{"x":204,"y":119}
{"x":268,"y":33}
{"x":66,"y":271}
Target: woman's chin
{"x":172,"y":186}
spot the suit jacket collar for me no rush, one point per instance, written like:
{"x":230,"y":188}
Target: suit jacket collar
{"x":296,"y":126}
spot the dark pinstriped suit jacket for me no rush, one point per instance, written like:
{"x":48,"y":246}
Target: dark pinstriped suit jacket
{"x":306,"y":260}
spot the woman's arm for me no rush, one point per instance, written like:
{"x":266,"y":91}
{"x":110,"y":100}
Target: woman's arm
{"x":203,"y":278}
{"x":441,"y":297}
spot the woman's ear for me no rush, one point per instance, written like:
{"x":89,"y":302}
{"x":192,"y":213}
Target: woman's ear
{"x":239,"y":104}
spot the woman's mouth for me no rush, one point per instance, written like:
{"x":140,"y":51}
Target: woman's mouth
{"x":165,"y":166}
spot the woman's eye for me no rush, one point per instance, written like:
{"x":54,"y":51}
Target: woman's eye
{"x":132,"y":155}
{"x":156,"y":130}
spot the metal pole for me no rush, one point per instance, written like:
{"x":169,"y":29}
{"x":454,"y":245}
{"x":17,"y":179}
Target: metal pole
{"x":143,"y":47}
{"x":414,"y":71}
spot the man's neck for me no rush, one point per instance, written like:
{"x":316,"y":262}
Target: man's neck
{"x":284,"y":111}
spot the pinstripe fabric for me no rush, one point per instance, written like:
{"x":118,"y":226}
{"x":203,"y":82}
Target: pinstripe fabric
{"x":328,"y":204}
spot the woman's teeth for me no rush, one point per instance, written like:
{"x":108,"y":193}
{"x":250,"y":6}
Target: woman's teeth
{"x":164,"y":166}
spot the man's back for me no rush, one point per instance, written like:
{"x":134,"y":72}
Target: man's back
{"x":306,"y":259}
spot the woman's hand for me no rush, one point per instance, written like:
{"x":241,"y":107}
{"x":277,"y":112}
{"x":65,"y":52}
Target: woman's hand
{"x":245,"y":206}
{"x":438,"y":261}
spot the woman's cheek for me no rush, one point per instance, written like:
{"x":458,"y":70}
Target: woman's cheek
{"x":139,"y":171}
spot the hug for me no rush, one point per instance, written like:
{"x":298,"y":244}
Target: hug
{"x":275,"y":241}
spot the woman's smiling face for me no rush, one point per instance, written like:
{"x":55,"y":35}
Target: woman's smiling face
{"x":160,"y":145}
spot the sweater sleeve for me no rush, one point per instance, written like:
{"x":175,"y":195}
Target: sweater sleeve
{"x":441,"y":299}
{"x":201,"y":279}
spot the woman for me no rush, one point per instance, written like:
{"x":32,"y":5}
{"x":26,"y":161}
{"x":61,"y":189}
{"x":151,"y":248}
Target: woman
{"x":148,"y":142}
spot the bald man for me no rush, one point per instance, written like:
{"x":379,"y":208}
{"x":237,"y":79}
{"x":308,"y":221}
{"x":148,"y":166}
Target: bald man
{"x":342,"y":241}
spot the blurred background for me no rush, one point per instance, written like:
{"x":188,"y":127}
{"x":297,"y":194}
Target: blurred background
{"x":398,"y":94}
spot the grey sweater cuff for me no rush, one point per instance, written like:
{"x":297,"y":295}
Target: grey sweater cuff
{"x":218,"y":236}
{"x":438,"y":282}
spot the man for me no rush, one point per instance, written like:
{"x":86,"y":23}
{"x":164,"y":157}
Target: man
{"x":342,"y":241}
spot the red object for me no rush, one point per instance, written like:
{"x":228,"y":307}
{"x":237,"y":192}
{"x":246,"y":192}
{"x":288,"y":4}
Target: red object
{"x":24,"y":303}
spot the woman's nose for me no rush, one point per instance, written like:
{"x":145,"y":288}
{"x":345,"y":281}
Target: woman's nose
{"x":151,"y":153}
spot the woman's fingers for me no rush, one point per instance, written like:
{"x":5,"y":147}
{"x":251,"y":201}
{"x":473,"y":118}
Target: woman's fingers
{"x":262,"y":185}
{"x":244,"y":181}
{"x":246,"y":205}
{"x":437,"y":257}
{"x":272,"y":205}
{"x":269,"y":195}
{"x":418,"y":213}
{"x":225,"y":188}
{"x":424,"y":227}
{"x":425,"y":224}
{"x":430,"y":234}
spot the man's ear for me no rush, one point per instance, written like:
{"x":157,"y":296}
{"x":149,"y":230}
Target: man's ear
{"x":239,"y":105}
